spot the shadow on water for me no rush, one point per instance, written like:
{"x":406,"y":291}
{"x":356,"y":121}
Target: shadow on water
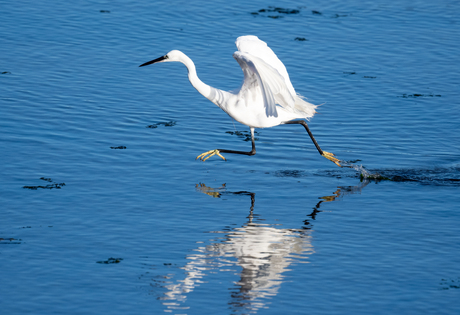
{"x":261,"y":252}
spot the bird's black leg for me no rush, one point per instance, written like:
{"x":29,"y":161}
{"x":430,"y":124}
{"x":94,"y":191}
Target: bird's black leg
{"x":327,"y":155}
{"x":303,"y":123}
{"x":252,"y":152}
{"x":207,"y":155}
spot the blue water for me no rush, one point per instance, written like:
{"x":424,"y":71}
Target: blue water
{"x":103,"y":214}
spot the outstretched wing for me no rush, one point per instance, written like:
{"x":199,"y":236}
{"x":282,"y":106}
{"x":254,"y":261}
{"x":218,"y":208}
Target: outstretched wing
{"x":263,"y":68}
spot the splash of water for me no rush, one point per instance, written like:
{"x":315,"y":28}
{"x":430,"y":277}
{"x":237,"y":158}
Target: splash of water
{"x":365,"y":175}
{"x":361,"y":170}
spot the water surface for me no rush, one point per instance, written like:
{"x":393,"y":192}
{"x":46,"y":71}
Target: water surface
{"x":104,"y":208}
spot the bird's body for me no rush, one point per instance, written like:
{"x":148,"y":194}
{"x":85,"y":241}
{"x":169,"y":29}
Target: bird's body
{"x":266,"y":97}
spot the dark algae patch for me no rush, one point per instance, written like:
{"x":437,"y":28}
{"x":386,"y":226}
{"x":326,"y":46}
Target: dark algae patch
{"x":281,"y":11}
{"x":9,"y":241}
{"x":245,"y":135}
{"x":448,"y":284}
{"x":170,"y":123}
{"x":415,"y":95}
{"x":278,"y":12}
{"x":53,"y":185}
{"x":111,"y":260}
{"x":354,"y":72}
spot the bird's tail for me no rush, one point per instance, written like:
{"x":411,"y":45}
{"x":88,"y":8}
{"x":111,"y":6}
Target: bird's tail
{"x":303,"y":107}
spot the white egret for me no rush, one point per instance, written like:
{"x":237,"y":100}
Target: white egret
{"x":265,"y":99}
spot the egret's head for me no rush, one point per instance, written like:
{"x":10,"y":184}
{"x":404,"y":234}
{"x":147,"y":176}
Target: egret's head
{"x":173,"y":55}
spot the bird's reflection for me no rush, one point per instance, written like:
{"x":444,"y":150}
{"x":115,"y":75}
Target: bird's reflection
{"x":339,"y":193}
{"x":263,"y":252}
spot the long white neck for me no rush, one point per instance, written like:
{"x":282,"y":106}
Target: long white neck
{"x":216,"y":96}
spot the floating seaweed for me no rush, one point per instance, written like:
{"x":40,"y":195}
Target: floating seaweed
{"x":54,"y":185}
{"x":111,"y":260}
{"x":279,"y":10}
{"x":418,"y":95}
{"x":164,"y":123}
{"x":450,"y":284}
{"x":246,"y":135}
{"x":9,"y":241}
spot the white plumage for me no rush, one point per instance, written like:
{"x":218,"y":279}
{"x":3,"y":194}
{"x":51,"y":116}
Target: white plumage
{"x":266,"y":97}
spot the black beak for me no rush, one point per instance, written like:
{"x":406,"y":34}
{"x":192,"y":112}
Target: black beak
{"x":153,"y":61}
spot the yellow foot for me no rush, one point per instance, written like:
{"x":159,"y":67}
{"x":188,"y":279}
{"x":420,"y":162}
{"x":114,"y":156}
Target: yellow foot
{"x":207,"y":155}
{"x":331,"y":157}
